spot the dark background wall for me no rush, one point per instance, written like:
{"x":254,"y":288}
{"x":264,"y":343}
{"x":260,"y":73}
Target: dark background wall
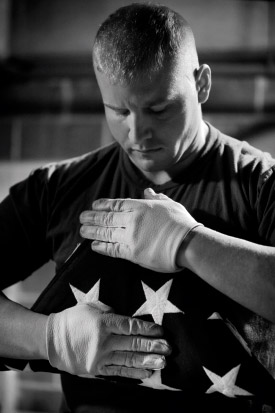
{"x":46,"y":70}
{"x":62,"y":26}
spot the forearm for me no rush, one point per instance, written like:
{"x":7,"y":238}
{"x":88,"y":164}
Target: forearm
{"x":242,"y":270}
{"x":22,"y":332}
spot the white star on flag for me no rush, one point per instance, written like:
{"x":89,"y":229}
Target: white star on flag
{"x":25,"y":369}
{"x":157,"y":303}
{"x":91,"y":297}
{"x":155,"y":382}
{"x":214,"y":316}
{"x":226,"y":384}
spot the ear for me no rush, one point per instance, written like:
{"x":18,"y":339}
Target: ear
{"x":203,"y":82}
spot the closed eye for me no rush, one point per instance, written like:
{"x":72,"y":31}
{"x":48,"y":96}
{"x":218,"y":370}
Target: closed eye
{"x":121,"y":112}
{"x":161,"y":111}
{"x":118,"y":111}
{"x":158,"y":109}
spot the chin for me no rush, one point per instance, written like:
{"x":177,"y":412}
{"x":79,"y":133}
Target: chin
{"x":148,"y":166}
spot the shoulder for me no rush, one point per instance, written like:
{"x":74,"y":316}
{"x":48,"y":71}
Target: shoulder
{"x":241,"y":156}
{"x":55,"y":180}
{"x":69,"y":170}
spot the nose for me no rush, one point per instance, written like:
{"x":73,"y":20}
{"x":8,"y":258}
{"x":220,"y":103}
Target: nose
{"x":139,"y":128}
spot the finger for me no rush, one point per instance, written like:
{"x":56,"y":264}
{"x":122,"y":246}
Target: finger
{"x":136,"y":360}
{"x":117,"y":205}
{"x":149,"y":193}
{"x":115,"y":250}
{"x":140,"y":344}
{"x":103,"y":218}
{"x":123,"y":325}
{"x":105,"y":234}
{"x":122,"y":371}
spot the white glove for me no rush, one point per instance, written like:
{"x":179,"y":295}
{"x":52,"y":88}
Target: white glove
{"x":85,"y":341}
{"x":148,"y":231}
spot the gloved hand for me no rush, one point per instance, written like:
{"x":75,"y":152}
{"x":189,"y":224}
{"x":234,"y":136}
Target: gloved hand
{"x":147,"y":231}
{"x":85,"y":341}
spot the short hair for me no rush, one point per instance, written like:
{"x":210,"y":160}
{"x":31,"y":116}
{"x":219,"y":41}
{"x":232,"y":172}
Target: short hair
{"x":139,"y":39}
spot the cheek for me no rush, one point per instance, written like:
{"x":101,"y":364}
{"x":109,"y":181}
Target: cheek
{"x":180,"y":131}
{"x":176,"y":129}
{"x":118,"y":129}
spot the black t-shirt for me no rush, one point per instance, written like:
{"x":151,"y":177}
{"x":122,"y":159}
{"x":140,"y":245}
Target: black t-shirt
{"x":229,"y":188}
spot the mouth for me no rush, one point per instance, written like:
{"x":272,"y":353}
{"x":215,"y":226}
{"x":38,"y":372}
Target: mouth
{"x":146,"y":151}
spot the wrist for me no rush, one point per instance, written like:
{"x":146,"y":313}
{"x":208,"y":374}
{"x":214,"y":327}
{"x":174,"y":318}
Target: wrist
{"x":41,"y":326}
{"x":185,"y":248}
{"x":35,"y":343}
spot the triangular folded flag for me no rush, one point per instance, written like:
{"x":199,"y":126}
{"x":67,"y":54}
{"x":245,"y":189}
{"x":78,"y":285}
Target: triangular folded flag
{"x":208,"y":354}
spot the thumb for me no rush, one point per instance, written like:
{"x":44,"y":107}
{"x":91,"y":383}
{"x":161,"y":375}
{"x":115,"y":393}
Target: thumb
{"x":149,"y":193}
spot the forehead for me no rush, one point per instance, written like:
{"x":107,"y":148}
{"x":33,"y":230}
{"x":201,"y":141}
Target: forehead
{"x":166,"y":84}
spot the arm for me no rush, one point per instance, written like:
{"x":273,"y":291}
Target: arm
{"x":83,"y":340}
{"x":242,"y":270}
{"x":160,"y":234}
{"x":22,"y":331}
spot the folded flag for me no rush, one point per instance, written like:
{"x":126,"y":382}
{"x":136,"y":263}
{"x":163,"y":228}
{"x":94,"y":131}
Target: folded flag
{"x":209,"y":356}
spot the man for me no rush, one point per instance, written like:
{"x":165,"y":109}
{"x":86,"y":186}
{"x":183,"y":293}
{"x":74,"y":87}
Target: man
{"x":213,"y":217}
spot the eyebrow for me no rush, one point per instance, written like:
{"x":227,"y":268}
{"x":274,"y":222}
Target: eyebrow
{"x":167,"y":101}
{"x":154,"y":103}
{"x":113,"y":107}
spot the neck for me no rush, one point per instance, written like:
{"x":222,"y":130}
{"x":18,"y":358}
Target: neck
{"x":158,"y":178}
{"x":162,"y":177}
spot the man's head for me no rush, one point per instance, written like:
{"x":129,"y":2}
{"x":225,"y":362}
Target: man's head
{"x":140,"y":39}
{"x":152,"y":87}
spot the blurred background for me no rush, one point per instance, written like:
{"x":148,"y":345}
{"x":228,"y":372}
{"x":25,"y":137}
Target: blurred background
{"x":50,"y":107}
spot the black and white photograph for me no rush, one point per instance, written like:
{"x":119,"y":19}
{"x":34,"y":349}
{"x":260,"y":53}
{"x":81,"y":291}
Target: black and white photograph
{"x":137,"y":206}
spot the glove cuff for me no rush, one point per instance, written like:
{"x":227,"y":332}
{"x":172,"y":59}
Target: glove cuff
{"x":178,"y":242}
{"x":50,"y":341}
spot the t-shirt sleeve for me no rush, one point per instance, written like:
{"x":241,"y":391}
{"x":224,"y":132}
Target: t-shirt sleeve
{"x":23,"y":227}
{"x":265,"y":207}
